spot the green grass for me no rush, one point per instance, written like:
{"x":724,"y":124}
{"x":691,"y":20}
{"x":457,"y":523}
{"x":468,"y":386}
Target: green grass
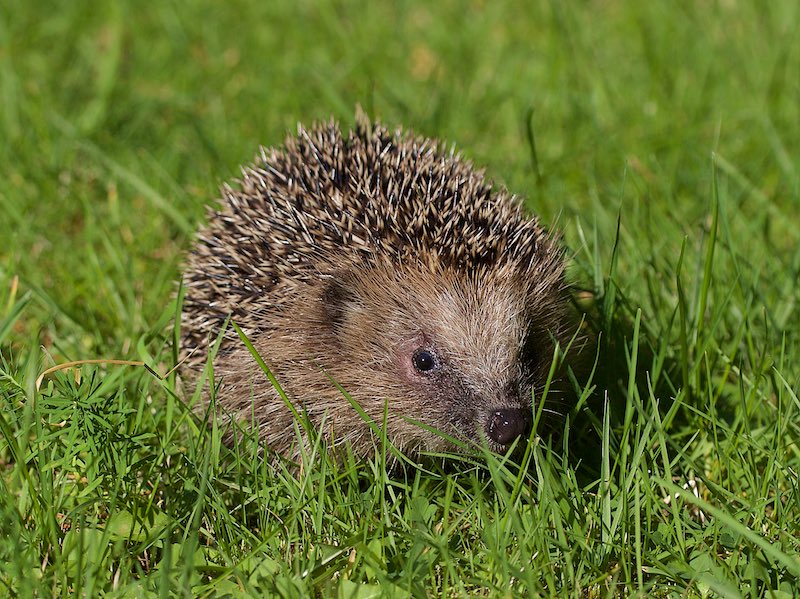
{"x":666,"y":140}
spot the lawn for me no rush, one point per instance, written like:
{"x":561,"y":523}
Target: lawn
{"x":662,"y":138}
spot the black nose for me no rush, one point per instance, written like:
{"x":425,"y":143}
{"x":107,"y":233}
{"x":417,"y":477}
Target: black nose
{"x":506,"y":425}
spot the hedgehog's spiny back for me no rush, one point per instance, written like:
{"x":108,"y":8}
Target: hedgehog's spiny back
{"x":375,"y":193}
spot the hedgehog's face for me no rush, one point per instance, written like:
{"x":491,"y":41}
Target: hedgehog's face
{"x":464,"y":355}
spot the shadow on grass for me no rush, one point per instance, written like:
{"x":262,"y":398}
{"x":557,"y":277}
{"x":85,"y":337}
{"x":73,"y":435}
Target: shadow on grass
{"x":628,"y":373}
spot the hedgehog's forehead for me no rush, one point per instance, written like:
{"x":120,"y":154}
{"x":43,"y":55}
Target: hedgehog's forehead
{"x":477,"y":317}
{"x":459,"y":292}
{"x":482,"y":322}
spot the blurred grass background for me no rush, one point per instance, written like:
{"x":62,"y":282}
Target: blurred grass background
{"x":119,"y":121}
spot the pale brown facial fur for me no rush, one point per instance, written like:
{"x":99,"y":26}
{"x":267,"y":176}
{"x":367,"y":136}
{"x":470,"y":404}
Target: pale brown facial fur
{"x":390,"y":267}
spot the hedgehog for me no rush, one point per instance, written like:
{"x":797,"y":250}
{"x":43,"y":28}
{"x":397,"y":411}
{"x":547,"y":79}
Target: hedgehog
{"x":385,"y":281}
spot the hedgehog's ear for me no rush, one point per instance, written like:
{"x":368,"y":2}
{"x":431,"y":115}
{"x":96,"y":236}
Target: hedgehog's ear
{"x":338,"y":295}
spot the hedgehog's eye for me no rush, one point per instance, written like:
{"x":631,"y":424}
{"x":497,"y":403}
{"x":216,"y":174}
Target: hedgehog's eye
{"x":424,"y":360}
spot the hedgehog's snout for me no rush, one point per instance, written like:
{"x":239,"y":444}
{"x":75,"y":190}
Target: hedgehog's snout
{"x":507,"y":424}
